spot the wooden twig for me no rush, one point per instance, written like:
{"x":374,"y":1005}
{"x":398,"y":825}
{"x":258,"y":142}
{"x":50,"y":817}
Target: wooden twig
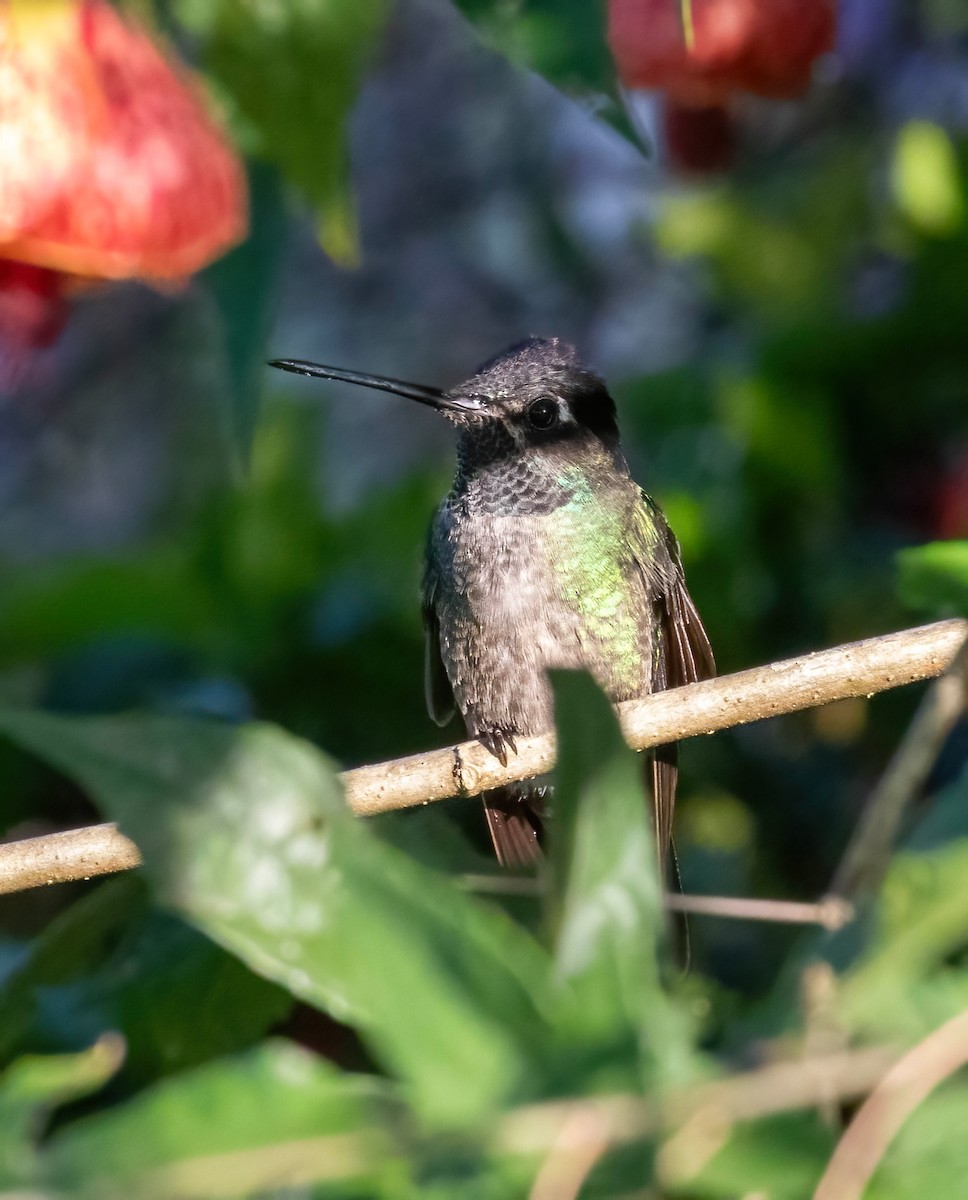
{"x":831,"y":912}
{"x":869,"y":850}
{"x":856,"y":669}
{"x":703,"y":1117}
{"x":768,"y":1090}
{"x":909,"y":1082}
{"x":65,"y":857}
{"x":580,"y":1143}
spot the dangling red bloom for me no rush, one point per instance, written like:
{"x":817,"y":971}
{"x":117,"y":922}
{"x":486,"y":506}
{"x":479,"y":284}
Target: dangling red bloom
{"x":33,"y":307}
{"x":110,"y":167}
{"x":702,"y":52}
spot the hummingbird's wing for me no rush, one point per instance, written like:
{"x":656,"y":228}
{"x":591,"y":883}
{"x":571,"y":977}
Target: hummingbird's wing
{"x":688,"y":654}
{"x":437,"y":690}
{"x":681,"y":650}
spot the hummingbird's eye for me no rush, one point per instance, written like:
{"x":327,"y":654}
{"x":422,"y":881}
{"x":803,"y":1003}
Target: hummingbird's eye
{"x":543,"y":413}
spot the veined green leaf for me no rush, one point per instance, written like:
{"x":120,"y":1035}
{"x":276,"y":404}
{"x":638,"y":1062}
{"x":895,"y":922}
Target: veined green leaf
{"x":244,"y":832}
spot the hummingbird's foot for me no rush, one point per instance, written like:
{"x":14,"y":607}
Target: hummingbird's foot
{"x":499,"y":739}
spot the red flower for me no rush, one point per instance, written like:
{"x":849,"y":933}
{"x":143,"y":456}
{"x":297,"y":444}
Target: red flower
{"x":33,"y":307}
{"x":110,"y":167}
{"x":701,"y":51}
{"x":699,"y":139}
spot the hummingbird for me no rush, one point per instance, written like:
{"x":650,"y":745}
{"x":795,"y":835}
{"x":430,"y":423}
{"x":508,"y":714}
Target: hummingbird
{"x":545,"y":554}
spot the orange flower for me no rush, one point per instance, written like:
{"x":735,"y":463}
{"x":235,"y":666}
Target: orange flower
{"x":701,"y":51}
{"x":110,"y":167}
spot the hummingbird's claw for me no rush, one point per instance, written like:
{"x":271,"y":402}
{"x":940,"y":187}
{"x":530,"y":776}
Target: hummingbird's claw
{"x":499,"y":740}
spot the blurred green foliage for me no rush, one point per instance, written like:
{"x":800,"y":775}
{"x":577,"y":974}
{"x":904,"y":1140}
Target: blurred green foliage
{"x":289,"y":75}
{"x":935,"y":577}
{"x":310,"y":1005}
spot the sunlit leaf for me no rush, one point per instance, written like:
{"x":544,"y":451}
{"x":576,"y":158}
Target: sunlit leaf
{"x":244,"y":832}
{"x":935,"y":577}
{"x":606,"y":911}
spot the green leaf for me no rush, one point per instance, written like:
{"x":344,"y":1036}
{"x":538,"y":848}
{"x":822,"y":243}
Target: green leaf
{"x":563,"y":40}
{"x":935,"y":577}
{"x":111,"y":962}
{"x":292,"y":72}
{"x":911,"y":976}
{"x":606,"y":910}
{"x":32,"y":1088}
{"x":925,"y":179}
{"x":781,"y":1157}
{"x":244,"y":832}
{"x":242,"y":283}
{"x":274,"y":1117}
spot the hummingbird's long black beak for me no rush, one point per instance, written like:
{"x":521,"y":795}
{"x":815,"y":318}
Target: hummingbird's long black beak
{"x":413,"y":391}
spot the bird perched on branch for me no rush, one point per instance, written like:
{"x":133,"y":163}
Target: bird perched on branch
{"x":545,"y":554}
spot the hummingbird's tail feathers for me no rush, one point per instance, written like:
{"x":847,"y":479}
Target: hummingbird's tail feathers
{"x":690,"y":655}
{"x":662,"y":774}
{"x":514,"y":818}
{"x":685,"y":656}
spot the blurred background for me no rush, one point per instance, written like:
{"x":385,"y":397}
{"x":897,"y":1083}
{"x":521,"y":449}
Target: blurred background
{"x":773,"y":286}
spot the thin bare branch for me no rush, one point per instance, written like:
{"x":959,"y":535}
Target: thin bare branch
{"x":765,"y":1091}
{"x":832,"y":913}
{"x":870,"y":847}
{"x":895,"y":1098}
{"x":581,"y":1142}
{"x":703,"y":1119}
{"x":856,"y":669}
{"x":65,"y":857}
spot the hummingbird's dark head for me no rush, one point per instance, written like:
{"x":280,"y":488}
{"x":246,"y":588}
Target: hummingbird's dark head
{"x":540,"y":393}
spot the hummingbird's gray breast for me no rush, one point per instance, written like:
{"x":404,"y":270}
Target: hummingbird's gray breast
{"x":516,"y":594}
